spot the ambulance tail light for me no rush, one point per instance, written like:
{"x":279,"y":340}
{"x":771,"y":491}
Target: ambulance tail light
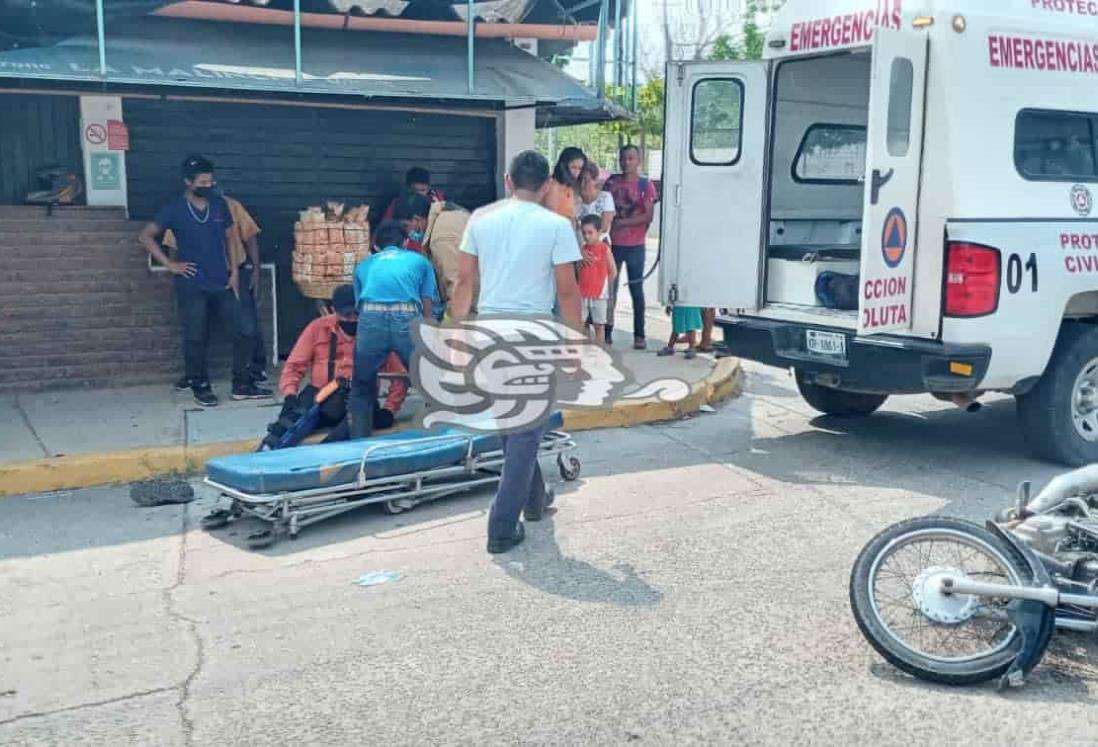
{"x":972,"y":279}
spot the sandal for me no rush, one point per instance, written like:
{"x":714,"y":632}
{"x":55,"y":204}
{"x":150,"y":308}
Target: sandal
{"x":664,"y":352}
{"x":690,"y":354}
{"x":640,"y":344}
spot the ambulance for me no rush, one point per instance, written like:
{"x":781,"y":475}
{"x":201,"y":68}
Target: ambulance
{"x":899,"y":198}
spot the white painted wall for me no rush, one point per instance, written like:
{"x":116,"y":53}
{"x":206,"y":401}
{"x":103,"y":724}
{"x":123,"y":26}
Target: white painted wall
{"x":516,"y":135}
{"x":104,"y":168}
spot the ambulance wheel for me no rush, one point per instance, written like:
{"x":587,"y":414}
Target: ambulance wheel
{"x":1059,"y":416}
{"x":569,"y":467}
{"x":837,"y":402}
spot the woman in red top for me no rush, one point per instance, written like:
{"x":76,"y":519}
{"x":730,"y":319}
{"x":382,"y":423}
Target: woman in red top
{"x":563,"y":192}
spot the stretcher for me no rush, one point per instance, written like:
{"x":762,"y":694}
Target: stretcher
{"x":293,"y":488}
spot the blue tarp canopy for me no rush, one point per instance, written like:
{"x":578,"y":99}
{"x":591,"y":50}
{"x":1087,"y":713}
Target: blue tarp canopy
{"x":244,"y":57}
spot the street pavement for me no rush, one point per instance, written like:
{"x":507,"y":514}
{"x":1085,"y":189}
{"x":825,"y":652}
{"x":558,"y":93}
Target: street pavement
{"x":691,"y":587}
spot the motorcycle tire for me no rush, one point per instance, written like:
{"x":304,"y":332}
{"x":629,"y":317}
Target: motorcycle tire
{"x":955,"y":671}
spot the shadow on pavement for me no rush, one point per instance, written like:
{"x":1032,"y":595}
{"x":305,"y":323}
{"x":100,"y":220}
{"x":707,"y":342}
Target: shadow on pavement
{"x":540,"y":564}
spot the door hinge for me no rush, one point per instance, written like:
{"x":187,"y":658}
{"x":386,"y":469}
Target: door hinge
{"x":673,"y":294}
{"x":678,"y":195}
{"x":680,"y":73}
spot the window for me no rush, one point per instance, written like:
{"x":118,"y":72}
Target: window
{"x":715,"y":121}
{"x":831,"y":154}
{"x":901,"y":81}
{"x":1055,"y":146}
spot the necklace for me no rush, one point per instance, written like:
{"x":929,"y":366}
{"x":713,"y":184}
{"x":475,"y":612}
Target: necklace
{"x":194,"y":215}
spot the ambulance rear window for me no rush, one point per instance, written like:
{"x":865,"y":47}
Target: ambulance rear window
{"x":1055,"y":146}
{"x":830,"y":154}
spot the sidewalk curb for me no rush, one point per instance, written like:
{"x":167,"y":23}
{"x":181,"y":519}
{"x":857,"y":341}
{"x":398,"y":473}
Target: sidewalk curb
{"x":128,"y":465}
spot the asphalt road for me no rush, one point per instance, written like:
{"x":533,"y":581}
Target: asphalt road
{"x":691,"y":588}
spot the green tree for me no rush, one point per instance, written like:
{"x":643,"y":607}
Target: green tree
{"x":752,"y":37}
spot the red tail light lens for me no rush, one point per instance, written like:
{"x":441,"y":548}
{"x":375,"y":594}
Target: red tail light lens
{"x":972,"y":279}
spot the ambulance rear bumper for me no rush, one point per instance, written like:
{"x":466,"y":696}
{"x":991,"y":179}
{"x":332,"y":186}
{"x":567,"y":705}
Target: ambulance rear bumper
{"x":886,"y":364}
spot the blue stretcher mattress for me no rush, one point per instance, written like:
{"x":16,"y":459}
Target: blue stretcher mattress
{"x":321,"y":465}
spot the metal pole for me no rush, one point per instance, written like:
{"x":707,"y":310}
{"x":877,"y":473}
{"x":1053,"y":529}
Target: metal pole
{"x":635,"y":12}
{"x":101,"y":38}
{"x":297,"y":42}
{"x":600,"y":53}
{"x":470,"y":42}
{"x":619,"y":78}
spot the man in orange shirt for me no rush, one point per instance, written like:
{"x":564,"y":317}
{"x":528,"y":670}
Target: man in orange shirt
{"x":325,"y":351}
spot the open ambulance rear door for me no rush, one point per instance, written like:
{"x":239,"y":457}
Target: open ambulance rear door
{"x":714,"y":174}
{"x":894,"y":149}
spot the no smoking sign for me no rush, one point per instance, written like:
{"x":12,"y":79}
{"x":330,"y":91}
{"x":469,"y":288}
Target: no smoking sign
{"x":95,"y":133}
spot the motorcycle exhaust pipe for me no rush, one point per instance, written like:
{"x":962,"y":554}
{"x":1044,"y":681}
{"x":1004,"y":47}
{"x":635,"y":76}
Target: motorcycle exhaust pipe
{"x":1077,"y":482}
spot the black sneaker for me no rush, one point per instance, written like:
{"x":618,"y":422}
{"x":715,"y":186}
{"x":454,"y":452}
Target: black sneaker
{"x":536,"y":513}
{"x":259,"y":376}
{"x":250,"y":391}
{"x":182,"y":384}
{"x":204,"y":396}
{"x":497,"y":546}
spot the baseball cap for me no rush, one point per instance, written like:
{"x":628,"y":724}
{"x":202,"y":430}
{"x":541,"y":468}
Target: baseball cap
{"x":343,"y":299}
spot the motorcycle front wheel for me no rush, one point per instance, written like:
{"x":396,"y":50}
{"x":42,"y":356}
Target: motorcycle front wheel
{"x":953,"y":639}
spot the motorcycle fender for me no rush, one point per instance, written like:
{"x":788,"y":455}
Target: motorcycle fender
{"x":1031,"y":617}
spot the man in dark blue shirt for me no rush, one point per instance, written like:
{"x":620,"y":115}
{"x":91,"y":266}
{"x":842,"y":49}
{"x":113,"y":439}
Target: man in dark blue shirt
{"x":393,"y":286}
{"x":205,"y":280}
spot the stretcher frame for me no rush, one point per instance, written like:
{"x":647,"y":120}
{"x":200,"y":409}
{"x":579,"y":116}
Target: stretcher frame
{"x":289,"y":512}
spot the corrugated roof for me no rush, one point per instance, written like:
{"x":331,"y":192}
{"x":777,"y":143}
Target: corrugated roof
{"x":172,"y":52}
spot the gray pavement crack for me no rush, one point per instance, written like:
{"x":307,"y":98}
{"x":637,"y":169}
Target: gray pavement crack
{"x":93,"y":704}
{"x":30,"y":427}
{"x":191,"y":625}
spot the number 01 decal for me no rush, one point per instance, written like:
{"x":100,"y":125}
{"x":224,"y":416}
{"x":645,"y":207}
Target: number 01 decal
{"x":1016,"y":272}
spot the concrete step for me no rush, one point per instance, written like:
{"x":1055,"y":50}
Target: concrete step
{"x":81,"y":212}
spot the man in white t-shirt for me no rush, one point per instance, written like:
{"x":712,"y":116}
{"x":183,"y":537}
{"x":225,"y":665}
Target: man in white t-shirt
{"x":523,"y":256}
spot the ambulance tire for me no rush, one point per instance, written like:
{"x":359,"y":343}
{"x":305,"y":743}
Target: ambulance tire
{"x":1045,"y":411}
{"x":836,"y":402}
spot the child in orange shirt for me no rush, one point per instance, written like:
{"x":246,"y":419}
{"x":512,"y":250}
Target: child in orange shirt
{"x":596,"y":274}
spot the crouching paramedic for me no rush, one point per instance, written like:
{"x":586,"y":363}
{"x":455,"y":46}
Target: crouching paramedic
{"x":325,"y":352}
{"x":393,"y":287}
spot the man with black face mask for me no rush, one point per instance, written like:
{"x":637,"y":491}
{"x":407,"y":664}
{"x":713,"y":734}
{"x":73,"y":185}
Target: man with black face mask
{"x":206,"y":281}
{"x":326,"y":351}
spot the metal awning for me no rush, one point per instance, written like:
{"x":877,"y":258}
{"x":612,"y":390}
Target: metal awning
{"x":172,"y":52}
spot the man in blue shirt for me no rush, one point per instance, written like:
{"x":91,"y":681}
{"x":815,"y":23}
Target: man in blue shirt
{"x":393,"y":286}
{"x":205,"y":280}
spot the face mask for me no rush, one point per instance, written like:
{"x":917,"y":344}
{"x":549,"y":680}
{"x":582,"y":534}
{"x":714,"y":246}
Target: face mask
{"x":204,"y":192}
{"x":349,"y":328}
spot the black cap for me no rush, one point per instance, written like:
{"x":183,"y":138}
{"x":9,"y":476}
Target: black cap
{"x":343,"y":299}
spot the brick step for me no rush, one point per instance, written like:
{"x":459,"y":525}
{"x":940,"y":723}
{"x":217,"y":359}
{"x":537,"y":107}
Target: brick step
{"x":69,"y":236}
{"x":22,"y":269}
{"x":68,"y":211}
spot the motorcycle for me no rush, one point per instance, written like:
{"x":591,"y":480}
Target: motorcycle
{"x":953,"y":602}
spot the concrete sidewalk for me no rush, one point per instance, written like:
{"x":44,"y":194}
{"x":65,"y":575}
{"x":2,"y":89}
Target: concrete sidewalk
{"x":83,"y":437}
{"x":78,"y":438}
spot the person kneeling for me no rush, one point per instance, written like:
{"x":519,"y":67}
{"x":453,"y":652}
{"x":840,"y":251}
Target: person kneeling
{"x":325,"y":350}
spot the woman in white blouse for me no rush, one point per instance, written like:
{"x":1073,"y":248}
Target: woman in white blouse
{"x":594,"y":200}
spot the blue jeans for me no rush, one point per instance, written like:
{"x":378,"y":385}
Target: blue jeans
{"x":633,"y":259}
{"x":379,"y":334}
{"x":249,"y":318}
{"x":521,"y":483}
{"x":195,"y":307}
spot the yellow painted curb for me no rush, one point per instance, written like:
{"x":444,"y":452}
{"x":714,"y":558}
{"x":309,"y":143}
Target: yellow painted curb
{"x":86,"y":470}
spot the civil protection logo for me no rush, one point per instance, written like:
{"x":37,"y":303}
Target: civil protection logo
{"x":500,"y":374}
{"x":894,"y":237}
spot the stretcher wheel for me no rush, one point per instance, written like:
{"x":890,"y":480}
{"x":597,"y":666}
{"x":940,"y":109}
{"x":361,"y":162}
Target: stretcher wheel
{"x":261,"y":539}
{"x":216,"y":519}
{"x":569,"y":467}
{"x":392,"y":508}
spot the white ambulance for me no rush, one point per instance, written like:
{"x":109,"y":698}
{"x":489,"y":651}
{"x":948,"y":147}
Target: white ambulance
{"x":898,"y":199}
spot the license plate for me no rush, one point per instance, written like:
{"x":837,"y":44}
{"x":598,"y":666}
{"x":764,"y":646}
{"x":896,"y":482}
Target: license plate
{"x":832,"y":344}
